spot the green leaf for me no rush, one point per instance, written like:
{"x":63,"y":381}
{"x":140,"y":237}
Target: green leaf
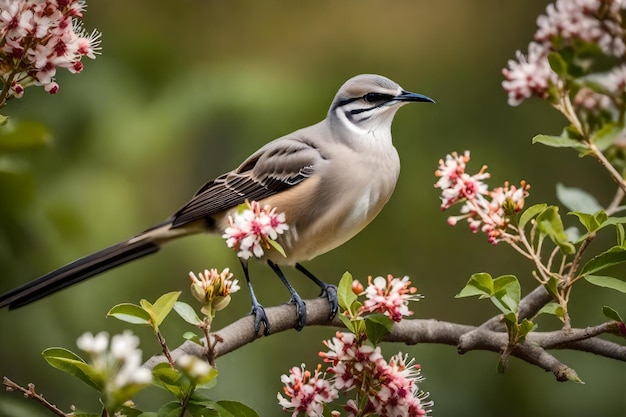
{"x":577,"y":200}
{"x":550,"y":224}
{"x":605,"y":137}
{"x":277,"y":246}
{"x":163,"y":305}
{"x":3,"y":120}
{"x":130,"y":313}
{"x":171,"y":409}
{"x":191,"y":336}
{"x":187,"y":313}
{"x":507,"y":290}
{"x":553,"y":309}
{"x":377,"y":326}
{"x":552,"y":286}
{"x":530,"y":213}
{"x":345,"y":295}
{"x":558,"y":142}
{"x":170,"y":379}
{"x":613,"y":256}
{"x":525,"y":327}
{"x":237,"y":409}
{"x":203,"y":410}
{"x":23,"y":135}
{"x":587,"y":220}
{"x":621,"y":234}
{"x":67,"y":361}
{"x":480,"y":284}
{"x":607,"y":282}
{"x":128,"y":412}
{"x":350,"y":325}
{"x":558,"y":64}
{"x":612,"y":314}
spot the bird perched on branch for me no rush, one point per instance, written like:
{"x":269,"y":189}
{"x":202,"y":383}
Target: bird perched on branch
{"x":329,"y":179}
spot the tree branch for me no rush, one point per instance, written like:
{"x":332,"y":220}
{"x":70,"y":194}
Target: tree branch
{"x":464,"y":337}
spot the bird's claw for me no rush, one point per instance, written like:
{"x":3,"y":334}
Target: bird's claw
{"x":300,"y":312}
{"x":330,"y":292}
{"x":260,"y":318}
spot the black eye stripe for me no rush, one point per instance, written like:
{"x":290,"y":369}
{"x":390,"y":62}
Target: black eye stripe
{"x":376,"y":97}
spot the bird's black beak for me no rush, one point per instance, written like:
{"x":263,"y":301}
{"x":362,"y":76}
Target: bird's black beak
{"x":413,"y":97}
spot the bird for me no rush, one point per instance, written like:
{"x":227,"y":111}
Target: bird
{"x":330,"y":179}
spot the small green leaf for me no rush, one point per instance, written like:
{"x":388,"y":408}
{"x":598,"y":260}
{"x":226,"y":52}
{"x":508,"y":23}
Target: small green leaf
{"x":345,"y":295}
{"x":237,"y":409}
{"x":553,"y":309}
{"x":558,"y":142}
{"x":507,"y":290}
{"x":163,"y":305}
{"x":576,"y":199}
{"x":557,"y":63}
{"x":480,"y":284}
{"x":130,"y":313}
{"x":550,"y":224}
{"x":377,"y":326}
{"x":277,"y":246}
{"x":187,"y":313}
{"x":552,"y":286}
{"x":191,"y":336}
{"x":621,"y":235}
{"x":530,"y":213}
{"x":607,"y":282}
{"x":613,"y":256}
{"x":605,"y":137}
{"x":3,"y":120}
{"x":169,"y":379}
{"x":350,"y":325}
{"x":67,"y":361}
{"x":612,"y":314}
{"x":525,"y":327}
{"x":171,"y":409}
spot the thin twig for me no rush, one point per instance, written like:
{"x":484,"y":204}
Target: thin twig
{"x":30,"y":393}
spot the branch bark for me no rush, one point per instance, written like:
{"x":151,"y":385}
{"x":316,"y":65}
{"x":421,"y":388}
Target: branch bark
{"x":465,"y":337}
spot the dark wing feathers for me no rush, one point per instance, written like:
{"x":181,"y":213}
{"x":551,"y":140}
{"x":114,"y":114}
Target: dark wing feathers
{"x":275,"y":167}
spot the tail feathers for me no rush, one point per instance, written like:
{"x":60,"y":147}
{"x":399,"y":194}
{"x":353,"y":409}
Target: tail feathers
{"x":77,"y":271}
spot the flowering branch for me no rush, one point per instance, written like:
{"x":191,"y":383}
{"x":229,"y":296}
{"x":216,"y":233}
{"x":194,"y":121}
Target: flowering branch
{"x":413,"y":331}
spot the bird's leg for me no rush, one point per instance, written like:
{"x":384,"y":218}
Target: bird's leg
{"x":257,"y":309}
{"x":328,"y":290}
{"x":295,"y":298}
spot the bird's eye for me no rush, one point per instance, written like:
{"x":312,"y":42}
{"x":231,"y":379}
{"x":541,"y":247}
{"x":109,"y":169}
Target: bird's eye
{"x":375,"y":97}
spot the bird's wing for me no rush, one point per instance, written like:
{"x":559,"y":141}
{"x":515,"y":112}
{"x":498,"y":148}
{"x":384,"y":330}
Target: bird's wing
{"x":277,"y":166}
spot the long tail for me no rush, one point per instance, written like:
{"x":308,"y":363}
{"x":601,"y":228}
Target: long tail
{"x":77,"y":271}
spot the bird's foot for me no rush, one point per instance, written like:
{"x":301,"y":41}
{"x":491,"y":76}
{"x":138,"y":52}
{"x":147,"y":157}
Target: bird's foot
{"x":330,"y":292}
{"x":300,"y":311}
{"x":260,"y":318}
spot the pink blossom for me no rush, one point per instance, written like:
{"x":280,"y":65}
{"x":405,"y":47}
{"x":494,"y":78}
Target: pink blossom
{"x":455,"y":183}
{"x":489,"y":211}
{"x":390,"y":296}
{"x":40,"y":36}
{"x":529,"y":76}
{"x":306,"y":393}
{"x":250,"y":230}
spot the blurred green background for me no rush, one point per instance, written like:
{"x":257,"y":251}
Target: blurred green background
{"x":184,"y":90}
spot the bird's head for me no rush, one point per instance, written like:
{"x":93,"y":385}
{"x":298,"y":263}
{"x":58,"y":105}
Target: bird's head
{"x":367,"y":103}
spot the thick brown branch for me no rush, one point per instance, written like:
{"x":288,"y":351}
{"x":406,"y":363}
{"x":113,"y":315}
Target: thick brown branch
{"x":464,"y":337}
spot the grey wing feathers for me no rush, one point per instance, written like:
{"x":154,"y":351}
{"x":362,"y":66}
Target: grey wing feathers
{"x":279,"y":165}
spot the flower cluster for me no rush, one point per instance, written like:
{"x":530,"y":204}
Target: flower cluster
{"x":213,"y":289}
{"x":356,"y":366}
{"x":389,"y":296}
{"x":119,"y":364}
{"x":388,"y":388}
{"x":487,"y":210}
{"x":253,"y":229}
{"x":566,"y":23}
{"x":36,"y":38}
{"x":306,"y":393}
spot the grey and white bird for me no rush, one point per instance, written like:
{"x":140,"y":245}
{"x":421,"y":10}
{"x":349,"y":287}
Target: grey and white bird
{"x":330,"y":179}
